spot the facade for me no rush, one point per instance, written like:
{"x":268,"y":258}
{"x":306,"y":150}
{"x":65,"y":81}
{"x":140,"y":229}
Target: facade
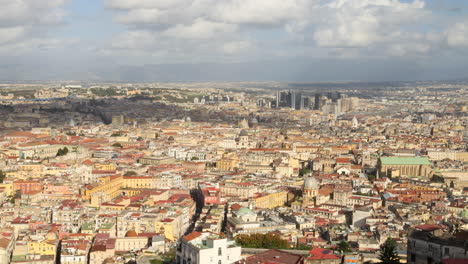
{"x":75,"y":249}
{"x":201,"y":248}
{"x":433,"y":244}
{"x":404,"y":166}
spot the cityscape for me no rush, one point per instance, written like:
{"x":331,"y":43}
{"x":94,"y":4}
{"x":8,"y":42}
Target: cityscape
{"x":233,"y":132}
{"x":254,"y":172}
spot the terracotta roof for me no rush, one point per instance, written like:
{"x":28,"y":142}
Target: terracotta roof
{"x":322,"y":253}
{"x":236,"y":207}
{"x":273,"y":256}
{"x":4,"y":242}
{"x":192,"y":236}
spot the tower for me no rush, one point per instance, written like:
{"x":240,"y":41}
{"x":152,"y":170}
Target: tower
{"x":311,"y":188}
{"x":355,"y":122}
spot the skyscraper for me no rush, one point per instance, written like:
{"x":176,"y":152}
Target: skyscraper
{"x":292,"y":102}
{"x":317,"y":101}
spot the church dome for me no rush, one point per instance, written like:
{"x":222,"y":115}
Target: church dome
{"x":243,"y":211}
{"x":131,"y":233}
{"x":311,"y":183}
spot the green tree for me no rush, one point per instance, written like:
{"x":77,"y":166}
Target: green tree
{"x":437,"y":178}
{"x":166,"y":258}
{"x":117,"y":134}
{"x":343,"y":246}
{"x":62,"y":152}
{"x":117,"y":145}
{"x":304,"y":171}
{"x":130,"y":173}
{"x":262,"y":241}
{"x":2,"y":176}
{"x":388,"y":252}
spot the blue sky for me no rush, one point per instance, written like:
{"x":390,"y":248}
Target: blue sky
{"x":281,"y":40}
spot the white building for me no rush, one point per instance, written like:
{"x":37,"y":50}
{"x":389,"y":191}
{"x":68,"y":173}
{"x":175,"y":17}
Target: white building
{"x":207,"y":248}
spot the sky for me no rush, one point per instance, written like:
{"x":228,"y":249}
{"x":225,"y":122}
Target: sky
{"x":234,"y":40}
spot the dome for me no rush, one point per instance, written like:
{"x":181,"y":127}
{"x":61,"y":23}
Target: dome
{"x":243,"y":133}
{"x":311,"y":183}
{"x":188,"y":119}
{"x":243,"y":211}
{"x":131,"y":233}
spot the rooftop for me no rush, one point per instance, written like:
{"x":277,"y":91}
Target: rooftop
{"x":405,"y":160}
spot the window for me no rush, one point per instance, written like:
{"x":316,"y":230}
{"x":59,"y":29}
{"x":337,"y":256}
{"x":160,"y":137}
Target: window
{"x":220,"y":252}
{"x":219,"y":262}
{"x":447,"y":251}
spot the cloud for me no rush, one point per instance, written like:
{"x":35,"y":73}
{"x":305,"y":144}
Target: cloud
{"x":333,"y":28}
{"x":30,"y":12}
{"x":8,"y":34}
{"x":24,"y":22}
{"x":235,"y":46}
{"x":363,"y":23}
{"x":260,"y":12}
{"x":457,"y":36}
{"x":200,"y":29}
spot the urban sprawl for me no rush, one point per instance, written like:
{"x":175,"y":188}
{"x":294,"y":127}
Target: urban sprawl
{"x":220,"y":173}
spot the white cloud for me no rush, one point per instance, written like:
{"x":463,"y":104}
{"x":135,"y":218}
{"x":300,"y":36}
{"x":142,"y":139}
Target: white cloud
{"x":8,"y":34}
{"x":24,"y":23}
{"x":362,"y":23}
{"x":262,"y":12}
{"x":235,"y":47}
{"x":340,"y":28}
{"x":139,"y":39}
{"x":143,"y":4}
{"x":30,"y":12}
{"x":457,"y":36}
{"x":200,"y":29}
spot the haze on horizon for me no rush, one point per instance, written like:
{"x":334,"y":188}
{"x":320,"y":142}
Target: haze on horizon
{"x":233,"y":40}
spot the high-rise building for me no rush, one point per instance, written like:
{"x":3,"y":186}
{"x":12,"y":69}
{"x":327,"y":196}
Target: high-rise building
{"x":305,"y":103}
{"x":292,"y":103}
{"x":317,"y":101}
{"x":298,"y":103}
{"x":278,"y":97}
{"x":334,"y":96}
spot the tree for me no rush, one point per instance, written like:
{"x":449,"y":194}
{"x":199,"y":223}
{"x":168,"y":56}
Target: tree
{"x":130,"y":173}
{"x":61,"y":152}
{"x":2,"y":176}
{"x":437,"y":178}
{"x":117,"y":134}
{"x":304,"y":171}
{"x":268,"y":240}
{"x":388,"y":252}
{"x":117,"y":145}
{"x":343,"y":247}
